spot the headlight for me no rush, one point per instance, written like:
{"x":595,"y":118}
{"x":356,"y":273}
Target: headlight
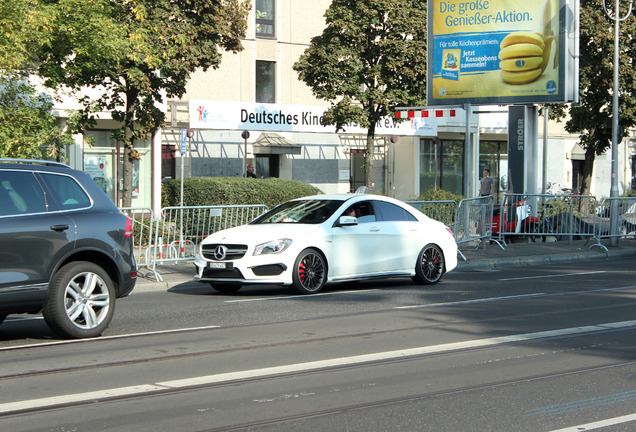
{"x":272,"y":247}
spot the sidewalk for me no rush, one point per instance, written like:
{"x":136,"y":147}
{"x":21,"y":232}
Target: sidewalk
{"x":477,"y":257}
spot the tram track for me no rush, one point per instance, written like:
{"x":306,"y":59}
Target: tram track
{"x":254,"y":347}
{"x":166,"y":387}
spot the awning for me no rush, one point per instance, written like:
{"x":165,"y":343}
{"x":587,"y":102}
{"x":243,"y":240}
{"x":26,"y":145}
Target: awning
{"x":272,"y":143}
{"x":577,"y":153}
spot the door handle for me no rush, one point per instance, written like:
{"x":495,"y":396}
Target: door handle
{"x":374,"y":229}
{"x":60,"y":228}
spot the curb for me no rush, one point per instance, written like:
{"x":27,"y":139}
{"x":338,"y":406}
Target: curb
{"x":495,"y":263}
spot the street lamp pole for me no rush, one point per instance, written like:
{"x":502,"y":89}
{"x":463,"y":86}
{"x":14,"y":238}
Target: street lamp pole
{"x":614,"y":176}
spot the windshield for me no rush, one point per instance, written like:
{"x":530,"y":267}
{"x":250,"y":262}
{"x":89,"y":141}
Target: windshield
{"x":303,"y":211}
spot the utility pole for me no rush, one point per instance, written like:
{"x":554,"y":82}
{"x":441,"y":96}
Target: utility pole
{"x":614,"y":177}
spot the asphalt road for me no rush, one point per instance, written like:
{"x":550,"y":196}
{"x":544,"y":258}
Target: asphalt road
{"x":523,"y":349}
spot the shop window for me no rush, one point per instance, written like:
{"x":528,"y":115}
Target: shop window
{"x":442,"y":165}
{"x":265,"y":21}
{"x":493,"y":155}
{"x":103,"y":161}
{"x":265,"y":81}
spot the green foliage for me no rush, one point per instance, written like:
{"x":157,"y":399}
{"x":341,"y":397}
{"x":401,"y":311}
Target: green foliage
{"x":28,"y":129}
{"x":592,"y":117}
{"x":370,"y":58}
{"x":135,"y":52}
{"x":434,"y":194}
{"x":208,"y":191}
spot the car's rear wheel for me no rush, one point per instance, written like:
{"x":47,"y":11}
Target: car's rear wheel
{"x":226,"y":287}
{"x":81,"y":301}
{"x":310,"y":272}
{"x":430,"y":265}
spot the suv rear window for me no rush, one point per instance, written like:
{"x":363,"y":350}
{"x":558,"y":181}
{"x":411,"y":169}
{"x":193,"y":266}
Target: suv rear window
{"x":67,"y":192}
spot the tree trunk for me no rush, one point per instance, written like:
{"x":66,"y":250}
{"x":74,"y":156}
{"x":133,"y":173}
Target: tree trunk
{"x":129,"y":145}
{"x":368,"y":158}
{"x":588,"y":171}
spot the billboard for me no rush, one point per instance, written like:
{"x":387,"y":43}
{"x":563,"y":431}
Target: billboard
{"x":502,"y":51}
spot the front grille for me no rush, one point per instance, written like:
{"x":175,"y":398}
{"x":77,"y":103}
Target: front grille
{"x":269,"y":270}
{"x":232,"y":251}
{"x":223,"y":274}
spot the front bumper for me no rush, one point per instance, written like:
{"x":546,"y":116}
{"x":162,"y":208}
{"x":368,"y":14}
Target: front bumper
{"x":265,"y":270}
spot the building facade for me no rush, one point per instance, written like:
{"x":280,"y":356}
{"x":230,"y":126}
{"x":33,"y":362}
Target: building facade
{"x":254,"y":109}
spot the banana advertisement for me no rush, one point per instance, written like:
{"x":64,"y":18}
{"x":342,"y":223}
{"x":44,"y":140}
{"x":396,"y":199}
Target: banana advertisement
{"x":502,"y":51}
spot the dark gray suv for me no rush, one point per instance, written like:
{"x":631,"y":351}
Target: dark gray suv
{"x":65,"y":248}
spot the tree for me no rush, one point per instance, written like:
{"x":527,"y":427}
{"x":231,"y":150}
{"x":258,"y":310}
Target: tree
{"x":592,"y":118}
{"x":370,"y":58}
{"x":135,"y":52}
{"x":28,"y":129}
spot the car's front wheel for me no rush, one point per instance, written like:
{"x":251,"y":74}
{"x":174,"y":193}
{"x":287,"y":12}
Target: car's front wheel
{"x":430,"y":265}
{"x":81,"y":301}
{"x":310,"y":272}
{"x":226,"y":287}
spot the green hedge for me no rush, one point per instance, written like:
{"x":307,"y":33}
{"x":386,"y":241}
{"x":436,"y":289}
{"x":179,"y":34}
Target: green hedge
{"x":209,"y":191}
{"x":434,"y":194}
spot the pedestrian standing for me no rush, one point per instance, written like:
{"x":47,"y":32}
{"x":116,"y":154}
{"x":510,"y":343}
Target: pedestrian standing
{"x":487,"y":184}
{"x":250,"y":171}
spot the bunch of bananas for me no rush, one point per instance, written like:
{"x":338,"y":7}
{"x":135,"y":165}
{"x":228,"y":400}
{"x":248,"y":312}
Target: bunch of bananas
{"x":524,"y":56}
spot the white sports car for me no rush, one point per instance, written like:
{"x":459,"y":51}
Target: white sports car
{"x":310,"y":241}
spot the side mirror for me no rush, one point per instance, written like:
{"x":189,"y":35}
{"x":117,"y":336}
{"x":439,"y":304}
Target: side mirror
{"x":347,"y":221}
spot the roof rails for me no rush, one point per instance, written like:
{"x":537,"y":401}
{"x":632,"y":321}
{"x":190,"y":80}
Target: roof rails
{"x":35,"y":162}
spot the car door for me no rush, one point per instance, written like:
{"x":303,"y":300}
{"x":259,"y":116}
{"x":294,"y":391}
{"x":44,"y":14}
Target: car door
{"x":357,"y":249}
{"x":401,"y":236}
{"x":31,"y":238}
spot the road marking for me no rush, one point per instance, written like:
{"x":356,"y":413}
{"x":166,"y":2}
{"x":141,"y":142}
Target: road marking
{"x":102,"y":338}
{"x":484,"y":300}
{"x":526,"y":296}
{"x":554,"y":275}
{"x":584,"y":404}
{"x":48,"y":402}
{"x":598,"y":424}
{"x":305,"y":296}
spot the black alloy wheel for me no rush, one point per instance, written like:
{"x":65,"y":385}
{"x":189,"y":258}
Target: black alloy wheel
{"x":310,"y":272}
{"x":430,"y":265}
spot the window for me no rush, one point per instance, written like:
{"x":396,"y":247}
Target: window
{"x":265,"y":22}
{"x":267,"y":166}
{"x":363,"y":211}
{"x":20,"y":193}
{"x":441,"y":165}
{"x":391,"y":212}
{"x":265,"y":81}
{"x":67,"y":192}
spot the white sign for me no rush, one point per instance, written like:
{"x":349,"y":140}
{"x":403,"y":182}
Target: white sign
{"x":184,"y":140}
{"x":216,"y":115}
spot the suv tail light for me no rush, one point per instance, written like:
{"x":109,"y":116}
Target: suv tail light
{"x":129,"y":228}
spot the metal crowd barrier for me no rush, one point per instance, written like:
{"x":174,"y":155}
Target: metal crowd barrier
{"x":626,"y":223}
{"x":474,"y":220}
{"x":174,"y":235}
{"x":470,"y":220}
{"x":540,"y":217}
{"x":179,"y":230}
{"x":142,"y":219}
{"x":442,"y":211}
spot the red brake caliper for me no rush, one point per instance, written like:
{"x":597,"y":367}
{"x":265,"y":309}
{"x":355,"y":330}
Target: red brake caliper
{"x":301,"y":271}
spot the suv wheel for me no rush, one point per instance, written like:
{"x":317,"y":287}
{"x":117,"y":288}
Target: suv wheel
{"x":81,"y":301}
